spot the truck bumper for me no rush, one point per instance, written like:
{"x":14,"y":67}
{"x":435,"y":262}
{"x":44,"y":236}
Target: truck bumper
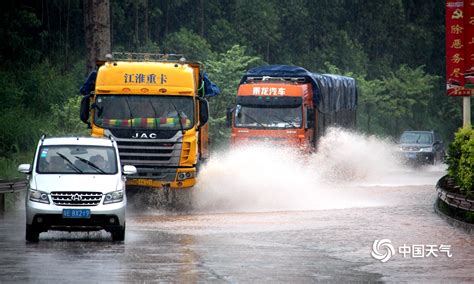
{"x":159,"y":184}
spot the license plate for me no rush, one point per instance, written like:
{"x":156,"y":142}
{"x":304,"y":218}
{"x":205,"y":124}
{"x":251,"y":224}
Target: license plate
{"x":410,"y":155}
{"x":77,"y":213}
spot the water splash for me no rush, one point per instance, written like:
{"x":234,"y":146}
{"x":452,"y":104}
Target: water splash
{"x":266,"y":178}
{"x":345,"y":155}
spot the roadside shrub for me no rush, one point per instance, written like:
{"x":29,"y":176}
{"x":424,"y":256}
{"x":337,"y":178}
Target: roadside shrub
{"x":65,"y":119}
{"x":20,"y":130}
{"x":461,"y":159}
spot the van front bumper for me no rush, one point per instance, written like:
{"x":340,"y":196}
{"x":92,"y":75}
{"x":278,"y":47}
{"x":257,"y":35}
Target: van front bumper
{"x":46,"y":217}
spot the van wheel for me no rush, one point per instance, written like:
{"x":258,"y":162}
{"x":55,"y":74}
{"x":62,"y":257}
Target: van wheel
{"x":118,"y":235}
{"x":32,"y":235}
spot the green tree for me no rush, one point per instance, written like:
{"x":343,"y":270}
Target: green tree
{"x":186,"y":42}
{"x":258,"y":22}
{"x":407,"y":93}
{"x":226,"y":70}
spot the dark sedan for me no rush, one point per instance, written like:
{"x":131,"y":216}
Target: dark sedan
{"x":421,"y":147}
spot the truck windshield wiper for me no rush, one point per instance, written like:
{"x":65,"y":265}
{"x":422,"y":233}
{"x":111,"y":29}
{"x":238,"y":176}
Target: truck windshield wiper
{"x":69,"y":163}
{"x":130,"y":112}
{"x":256,"y":121}
{"x":89,"y":163}
{"x":179,"y":117}
{"x":154,"y":112}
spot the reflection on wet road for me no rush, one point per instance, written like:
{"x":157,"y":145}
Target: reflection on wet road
{"x":325,"y":244}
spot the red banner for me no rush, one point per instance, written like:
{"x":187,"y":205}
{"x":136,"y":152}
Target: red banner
{"x":460,"y":47}
{"x":469,"y":43}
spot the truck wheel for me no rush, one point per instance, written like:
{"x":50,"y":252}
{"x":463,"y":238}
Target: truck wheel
{"x":32,"y":235}
{"x":118,"y":235}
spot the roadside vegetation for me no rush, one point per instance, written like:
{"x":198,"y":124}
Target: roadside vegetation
{"x":399,"y":64}
{"x":461,"y":160}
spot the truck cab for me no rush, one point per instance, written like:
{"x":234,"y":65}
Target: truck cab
{"x":155,"y":107}
{"x":290,"y":106}
{"x":275,"y":110}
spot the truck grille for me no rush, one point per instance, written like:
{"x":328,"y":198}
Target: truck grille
{"x":66,"y":198}
{"x":153,"y":160}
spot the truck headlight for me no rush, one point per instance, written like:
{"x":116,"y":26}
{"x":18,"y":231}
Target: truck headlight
{"x":185,"y":175}
{"x":38,"y":196}
{"x":426,"y":149}
{"x":113,"y":197}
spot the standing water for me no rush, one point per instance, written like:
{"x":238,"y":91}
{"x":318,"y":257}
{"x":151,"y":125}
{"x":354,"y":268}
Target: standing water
{"x":266,"y":178}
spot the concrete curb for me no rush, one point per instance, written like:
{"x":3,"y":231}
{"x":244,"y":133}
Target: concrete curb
{"x":468,"y":228}
{"x":453,"y":199}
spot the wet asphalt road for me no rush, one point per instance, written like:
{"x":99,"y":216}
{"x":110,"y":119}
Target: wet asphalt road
{"x":280,"y":246}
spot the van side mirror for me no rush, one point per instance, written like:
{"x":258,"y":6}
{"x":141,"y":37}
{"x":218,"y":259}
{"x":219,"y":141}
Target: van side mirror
{"x":25,"y":168}
{"x":129,"y":170}
{"x":309,"y":118}
{"x":203,"y":111}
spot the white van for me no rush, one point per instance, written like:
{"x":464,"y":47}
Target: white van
{"x":76,"y":184}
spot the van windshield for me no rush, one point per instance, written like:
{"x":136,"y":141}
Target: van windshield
{"x":144,"y":112}
{"x":76,"y":159}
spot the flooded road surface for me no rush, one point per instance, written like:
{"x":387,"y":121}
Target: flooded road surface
{"x":244,"y":246}
{"x":266,"y":215}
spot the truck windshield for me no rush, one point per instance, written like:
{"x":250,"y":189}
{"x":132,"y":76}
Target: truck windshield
{"x":265,"y":117}
{"x":146,"y":112}
{"x":76,"y":159}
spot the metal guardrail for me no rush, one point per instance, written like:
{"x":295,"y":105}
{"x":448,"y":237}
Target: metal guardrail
{"x":453,"y":199}
{"x":8,"y":186}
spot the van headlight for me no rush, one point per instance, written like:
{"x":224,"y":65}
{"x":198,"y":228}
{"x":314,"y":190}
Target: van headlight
{"x":113,"y":197}
{"x":426,"y":149}
{"x":38,"y":196}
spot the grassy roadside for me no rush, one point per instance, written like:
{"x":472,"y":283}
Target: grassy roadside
{"x":8,"y":170}
{"x":9,"y":164}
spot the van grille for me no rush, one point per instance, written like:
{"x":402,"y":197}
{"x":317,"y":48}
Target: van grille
{"x":66,"y":198}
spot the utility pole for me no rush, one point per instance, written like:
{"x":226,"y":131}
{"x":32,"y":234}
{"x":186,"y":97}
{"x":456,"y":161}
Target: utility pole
{"x":466,"y":102}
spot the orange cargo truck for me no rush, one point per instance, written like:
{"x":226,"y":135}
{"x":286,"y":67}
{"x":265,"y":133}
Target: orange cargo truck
{"x":288,"y":105}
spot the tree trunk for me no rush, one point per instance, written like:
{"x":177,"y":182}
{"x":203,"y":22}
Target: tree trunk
{"x":167,"y":18}
{"x":97,"y":30}
{"x":268,"y":52}
{"x":146,"y":29}
{"x":66,"y":52}
{"x":136,"y":39}
{"x":60,"y":22}
{"x":368,"y":119}
{"x":202,"y":18}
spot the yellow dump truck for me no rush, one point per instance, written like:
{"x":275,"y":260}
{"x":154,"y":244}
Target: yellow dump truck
{"x":155,"y":107}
